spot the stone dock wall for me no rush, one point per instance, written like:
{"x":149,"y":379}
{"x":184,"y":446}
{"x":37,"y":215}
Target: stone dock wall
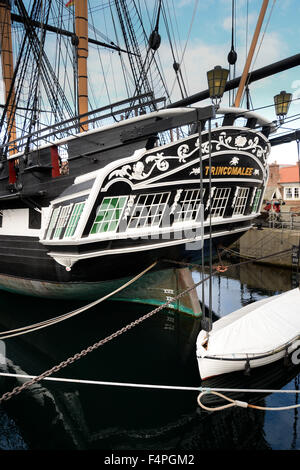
{"x":266,"y":241}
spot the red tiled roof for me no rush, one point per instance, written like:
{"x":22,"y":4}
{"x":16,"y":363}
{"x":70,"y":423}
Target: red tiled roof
{"x":290,"y":174}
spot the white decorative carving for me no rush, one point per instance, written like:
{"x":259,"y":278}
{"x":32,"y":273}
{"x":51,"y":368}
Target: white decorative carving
{"x":210,"y":198}
{"x":129,"y":206}
{"x":252,"y":197}
{"x":240,"y":141}
{"x":235,"y":196}
{"x":143,"y":169}
{"x":234,"y":161}
{"x":176,"y":199}
{"x":195,"y":171}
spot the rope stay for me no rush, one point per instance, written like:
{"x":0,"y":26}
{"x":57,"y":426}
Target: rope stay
{"x":6,"y":396}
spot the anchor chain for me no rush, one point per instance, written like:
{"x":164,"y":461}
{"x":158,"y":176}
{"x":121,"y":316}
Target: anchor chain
{"x":6,"y":396}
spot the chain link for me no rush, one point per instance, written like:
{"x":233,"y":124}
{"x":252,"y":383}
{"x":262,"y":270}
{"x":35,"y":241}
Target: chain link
{"x":6,"y":396}
{"x":126,"y":328}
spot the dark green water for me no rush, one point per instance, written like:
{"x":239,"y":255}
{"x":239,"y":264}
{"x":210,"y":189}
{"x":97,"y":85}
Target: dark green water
{"x":161,"y":351}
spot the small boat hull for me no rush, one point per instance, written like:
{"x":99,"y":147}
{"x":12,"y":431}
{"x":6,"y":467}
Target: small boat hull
{"x":254,"y":336}
{"x":217,"y":366}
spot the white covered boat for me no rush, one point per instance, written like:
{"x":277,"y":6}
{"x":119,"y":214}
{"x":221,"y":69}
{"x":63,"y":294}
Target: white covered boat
{"x":253,"y":336}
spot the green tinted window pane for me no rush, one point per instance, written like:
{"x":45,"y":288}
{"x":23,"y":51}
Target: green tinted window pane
{"x":99,"y":217}
{"x":118,"y":213}
{"x":122,"y":202}
{"x":256,"y":200}
{"x":104,"y":227}
{"x":109,"y":214}
{"x":113,"y":202}
{"x":52,"y":221}
{"x":113,"y":225}
{"x":75,"y":216}
{"x":94,"y":228}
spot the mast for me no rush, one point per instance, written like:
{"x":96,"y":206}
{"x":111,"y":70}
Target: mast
{"x":251,"y":52}
{"x":81,"y":26}
{"x":7,"y":68}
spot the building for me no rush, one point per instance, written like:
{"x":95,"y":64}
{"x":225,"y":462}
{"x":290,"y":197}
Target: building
{"x":284,"y":187}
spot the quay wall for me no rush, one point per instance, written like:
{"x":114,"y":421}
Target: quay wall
{"x":262,"y":242}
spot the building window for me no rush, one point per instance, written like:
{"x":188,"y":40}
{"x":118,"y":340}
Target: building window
{"x":240,"y":201}
{"x":256,"y":200}
{"x":109,"y":214}
{"x":288,"y":193}
{"x":292,"y":192}
{"x":219,"y":202}
{"x":74,"y":219}
{"x":188,"y":208}
{"x":148,"y":210}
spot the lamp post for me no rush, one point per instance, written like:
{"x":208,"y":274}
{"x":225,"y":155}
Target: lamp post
{"x":217,"y":79}
{"x":282,"y":103}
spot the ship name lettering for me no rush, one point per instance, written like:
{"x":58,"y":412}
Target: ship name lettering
{"x":229,"y":171}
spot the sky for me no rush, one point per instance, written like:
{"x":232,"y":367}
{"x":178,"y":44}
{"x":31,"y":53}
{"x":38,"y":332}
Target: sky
{"x":201,"y":33}
{"x":210,"y":41}
{"x":201,"y":37}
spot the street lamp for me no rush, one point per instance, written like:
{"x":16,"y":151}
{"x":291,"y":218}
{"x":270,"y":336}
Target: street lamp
{"x":217,"y":79}
{"x":282,"y":104}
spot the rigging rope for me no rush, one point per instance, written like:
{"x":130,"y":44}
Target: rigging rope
{"x":259,"y":47}
{"x":187,"y":40}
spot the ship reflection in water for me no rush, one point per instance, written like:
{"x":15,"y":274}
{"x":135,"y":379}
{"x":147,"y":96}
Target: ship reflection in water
{"x":159,"y":351}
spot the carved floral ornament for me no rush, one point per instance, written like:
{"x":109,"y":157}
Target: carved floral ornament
{"x":141,"y":170}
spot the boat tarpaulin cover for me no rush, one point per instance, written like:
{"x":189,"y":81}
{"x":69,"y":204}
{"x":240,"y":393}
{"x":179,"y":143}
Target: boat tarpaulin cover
{"x":257,"y":328}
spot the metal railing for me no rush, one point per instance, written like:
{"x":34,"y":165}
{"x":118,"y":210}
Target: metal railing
{"x":288,"y":221}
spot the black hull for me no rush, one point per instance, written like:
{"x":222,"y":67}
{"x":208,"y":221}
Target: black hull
{"x":39,"y":275}
{"x":130,"y":205}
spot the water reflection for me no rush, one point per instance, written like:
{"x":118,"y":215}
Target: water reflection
{"x":159,"y":351}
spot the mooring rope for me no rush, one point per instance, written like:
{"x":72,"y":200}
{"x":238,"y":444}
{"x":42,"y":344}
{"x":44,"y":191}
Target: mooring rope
{"x":84,"y":352}
{"x":203,"y":390}
{"x":37,"y":326}
{"x":242,"y":404}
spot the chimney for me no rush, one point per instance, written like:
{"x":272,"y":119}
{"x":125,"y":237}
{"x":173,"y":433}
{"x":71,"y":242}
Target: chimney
{"x":274,"y":176}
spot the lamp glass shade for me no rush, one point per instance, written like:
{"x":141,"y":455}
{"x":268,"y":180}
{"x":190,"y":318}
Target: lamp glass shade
{"x":217,"y":79}
{"x":282,"y":103}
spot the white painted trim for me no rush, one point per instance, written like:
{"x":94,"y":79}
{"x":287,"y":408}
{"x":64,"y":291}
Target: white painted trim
{"x":146,"y":232}
{"x":147,"y":182}
{"x":15,"y":222}
{"x":195,"y":181}
{"x":165,"y":113}
{"x":70,"y":197}
{"x":72,"y":259}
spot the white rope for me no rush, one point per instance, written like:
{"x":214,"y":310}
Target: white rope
{"x":203,"y":390}
{"x":98,"y":382}
{"x":242,"y":404}
{"x":37,"y":326}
